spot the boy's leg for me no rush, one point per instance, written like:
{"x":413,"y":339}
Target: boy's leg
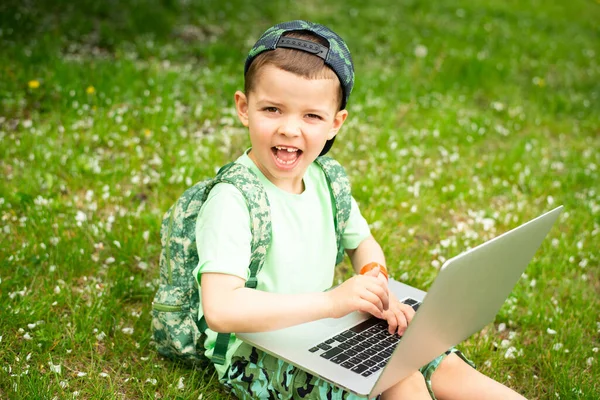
{"x":413,"y":388}
{"x":455,"y":379}
{"x":254,"y":374}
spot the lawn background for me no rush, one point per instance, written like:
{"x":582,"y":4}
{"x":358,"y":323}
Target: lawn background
{"x":467,"y":118}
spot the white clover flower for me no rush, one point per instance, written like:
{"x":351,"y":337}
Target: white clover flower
{"x":420,"y":51}
{"x":81,"y":374}
{"x":55,"y":368}
{"x":127,"y":331}
{"x":557,"y":346}
{"x":510,"y":352}
{"x":532,"y":283}
{"x":551,"y":331}
{"x":180,"y":384}
{"x":80,"y":218}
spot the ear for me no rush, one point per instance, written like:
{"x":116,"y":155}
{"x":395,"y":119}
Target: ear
{"x":338,"y":121}
{"x":241,"y":105}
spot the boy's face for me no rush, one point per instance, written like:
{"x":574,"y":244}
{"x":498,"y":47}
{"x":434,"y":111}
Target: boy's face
{"x":289,"y":119}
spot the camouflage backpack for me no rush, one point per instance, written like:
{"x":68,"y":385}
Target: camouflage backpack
{"x":177,"y":332}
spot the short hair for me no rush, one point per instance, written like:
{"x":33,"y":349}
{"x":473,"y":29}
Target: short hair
{"x":295,"y":61}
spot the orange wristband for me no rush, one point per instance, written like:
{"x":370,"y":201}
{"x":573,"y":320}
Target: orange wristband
{"x":366,"y":268}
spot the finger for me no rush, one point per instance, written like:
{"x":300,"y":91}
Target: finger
{"x":392,"y":321}
{"x":374,"y":272}
{"x":402,"y":322}
{"x":380,"y":289}
{"x":372,"y":298}
{"x":382,"y":293}
{"x":366,"y":306}
{"x":408,"y":312}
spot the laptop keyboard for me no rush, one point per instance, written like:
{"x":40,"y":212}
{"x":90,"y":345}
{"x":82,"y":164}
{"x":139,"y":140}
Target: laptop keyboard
{"x":365,"y":348}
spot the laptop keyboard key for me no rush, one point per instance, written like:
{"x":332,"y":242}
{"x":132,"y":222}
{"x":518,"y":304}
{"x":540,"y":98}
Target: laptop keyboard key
{"x":410,"y":302}
{"x":356,"y":360}
{"x":313,"y":349}
{"x":378,"y":348}
{"x":364,"y":325}
{"x":348,"y":334}
{"x":340,"y":358}
{"x":369,"y":352}
{"x":351,"y":352}
{"x":340,"y":338}
{"x":344,"y":346}
{"x":359,"y":369}
{"x":324,"y":346}
{"x":360,"y":347}
{"x":377,"y":358}
{"x":332,"y":353}
{"x":369,"y":363}
{"x":366,"y":373}
{"x":348,"y":364}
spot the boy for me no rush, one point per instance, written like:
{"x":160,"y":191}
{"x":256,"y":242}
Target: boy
{"x":298,"y":78}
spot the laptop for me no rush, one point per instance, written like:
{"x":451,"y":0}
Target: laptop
{"x":357,"y":353}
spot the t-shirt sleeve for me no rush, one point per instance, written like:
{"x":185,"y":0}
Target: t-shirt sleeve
{"x":223,"y":235}
{"x":357,"y":229}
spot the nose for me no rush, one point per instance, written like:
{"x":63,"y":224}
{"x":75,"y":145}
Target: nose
{"x":290,"y":126}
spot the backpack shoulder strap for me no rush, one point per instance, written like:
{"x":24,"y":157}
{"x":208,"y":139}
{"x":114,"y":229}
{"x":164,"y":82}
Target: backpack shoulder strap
{"x":256,"y":198}
{"x":260,"y":225}
{"x":341,"y":197}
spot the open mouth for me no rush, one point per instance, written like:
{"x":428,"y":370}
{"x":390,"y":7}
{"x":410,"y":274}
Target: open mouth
{"x":286,"y":156}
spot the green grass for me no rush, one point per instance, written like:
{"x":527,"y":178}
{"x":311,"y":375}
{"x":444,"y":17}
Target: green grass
{"x":498,"y":122}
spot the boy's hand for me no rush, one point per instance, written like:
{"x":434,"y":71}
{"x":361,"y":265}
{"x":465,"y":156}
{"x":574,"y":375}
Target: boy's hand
{"x":398,"y":315}
{"x":366,"y":293}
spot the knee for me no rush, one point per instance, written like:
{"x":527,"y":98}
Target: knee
{"x":451,"y":363}
{"x":414,"y":383}
{"x":411,"y":387}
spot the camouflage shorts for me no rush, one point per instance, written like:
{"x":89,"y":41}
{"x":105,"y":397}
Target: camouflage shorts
{"x":254,"y":374}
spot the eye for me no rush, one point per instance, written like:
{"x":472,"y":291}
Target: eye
{"x":271,"y":109}
{"x":314,"y":116}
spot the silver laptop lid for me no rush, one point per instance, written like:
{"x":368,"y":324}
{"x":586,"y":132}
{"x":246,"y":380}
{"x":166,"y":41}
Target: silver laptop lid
{"x":466,"y":295}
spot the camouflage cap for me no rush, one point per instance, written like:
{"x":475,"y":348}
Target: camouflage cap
{"x":337,"y":56}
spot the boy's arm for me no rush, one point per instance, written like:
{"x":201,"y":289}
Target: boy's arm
{"x":367,"y":251}
{"x":398,"y":315}
{"x":231,"y":307}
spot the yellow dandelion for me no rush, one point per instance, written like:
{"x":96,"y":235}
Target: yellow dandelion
{"x":147,"y":132}
{"x":90,"y":90}
{"x":33,"y":84}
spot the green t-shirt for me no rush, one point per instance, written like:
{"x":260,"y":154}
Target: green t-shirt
{"x":302,"y":254}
